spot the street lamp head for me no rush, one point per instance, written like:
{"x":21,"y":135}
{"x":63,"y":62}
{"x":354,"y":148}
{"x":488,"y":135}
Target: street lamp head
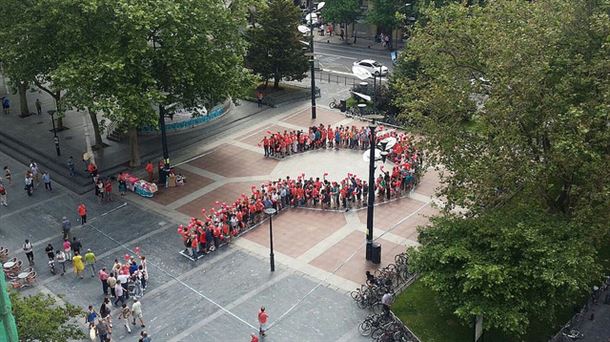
{"x":270,"y":211}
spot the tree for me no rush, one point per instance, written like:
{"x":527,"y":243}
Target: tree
{"x":124,"y":58}
{"x":511,"y":98}
{"x":383,"y":14}
{"x":509,"y":103}
{"x":275,"y":47}
{"x":40,"y":318}
{"x":36,"y":37}
{"x":508,"y":266}
{"x":343,"y":12}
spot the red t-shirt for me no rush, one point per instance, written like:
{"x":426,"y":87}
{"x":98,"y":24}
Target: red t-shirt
{"x":262,"y":317}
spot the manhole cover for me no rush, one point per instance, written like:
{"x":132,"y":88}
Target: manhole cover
{"x":39,"y":123}
{"x":68,"y":138}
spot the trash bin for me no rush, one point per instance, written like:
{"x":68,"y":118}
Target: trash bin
{"x":343,"y":105}
{"x":376,"y":253}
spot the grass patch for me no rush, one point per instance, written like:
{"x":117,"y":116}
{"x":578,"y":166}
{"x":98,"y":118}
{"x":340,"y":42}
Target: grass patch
{"x":417,"y":308}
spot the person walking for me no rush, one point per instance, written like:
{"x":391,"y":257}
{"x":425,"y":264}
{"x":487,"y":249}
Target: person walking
{"x":253,"y":337}
{"x":38,"y":107}
{"x":262,"y":321}
{"x":136,"y":311}
{"x":6,"y":105}
{"x":124,"y":315}
{"x":3,"y":200}
{"x":144,"y":337}
{"x":103,"y":276}
{"x":77,"y":263}
{"x":8,"y":175}
{"x":76,"y":245}
{"x":118,"y":293}
{"x":82,"y":212}
{"x":90,"y":261}
{"x":61,"y":259}
{"x":111,"y":282}
{"x":259,"y":98}
{"x":29,"y":252}
{"x":29,"y":184}
{"x":35,"y":172}
{"x":103,"y":329}
{"x":66,"y":226}
{"x":71,"y":167}
{"x":150,"y":170}
{"x":386,"y":301}
{"x":68,"y":249}
{"x":46,"y":179}
{"x":90,"y":316}
{"x":105,"y":310}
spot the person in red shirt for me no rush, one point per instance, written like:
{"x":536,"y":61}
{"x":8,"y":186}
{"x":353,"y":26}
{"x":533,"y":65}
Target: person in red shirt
{"x":150,"y":170}
{"x":108,"y":189}
{"x":262,"y":320}
{"x":82,"y":212}
{"x":254,"y":338}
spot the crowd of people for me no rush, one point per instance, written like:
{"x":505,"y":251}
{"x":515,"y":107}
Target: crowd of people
{"x":228,"y":220}
{"x":282,"y":144}
{"x":119,"y":283}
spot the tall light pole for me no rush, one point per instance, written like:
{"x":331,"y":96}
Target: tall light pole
{"x":311,"y":63}
{"x":371,"y":196}
{"x":270,"y":212}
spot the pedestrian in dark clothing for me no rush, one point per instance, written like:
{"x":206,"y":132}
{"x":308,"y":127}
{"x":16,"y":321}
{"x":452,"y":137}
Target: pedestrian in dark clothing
{"x":71,"y":166}
{"x":342,"y":34}
{"x":76,"y":245}
{"x":259,"y":98}
{"x":6,"y":105}
{"x":38,"y":107}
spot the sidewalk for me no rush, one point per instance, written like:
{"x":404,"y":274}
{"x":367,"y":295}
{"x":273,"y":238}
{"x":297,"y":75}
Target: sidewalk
{"x":361,"y":43}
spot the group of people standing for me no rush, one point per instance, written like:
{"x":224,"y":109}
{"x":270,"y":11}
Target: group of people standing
{"x":228,"y":220}
{"x":124,"y":280}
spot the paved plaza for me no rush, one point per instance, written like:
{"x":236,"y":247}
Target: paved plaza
{"x":319,"y":254}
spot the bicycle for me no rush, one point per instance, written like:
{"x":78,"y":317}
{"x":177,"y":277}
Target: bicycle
{"x":572,"y":333}
{"x":333,"y":104}
{"x":372,"y":322}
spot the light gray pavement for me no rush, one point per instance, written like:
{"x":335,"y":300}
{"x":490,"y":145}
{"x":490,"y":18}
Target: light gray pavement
{"x":215,"y":299}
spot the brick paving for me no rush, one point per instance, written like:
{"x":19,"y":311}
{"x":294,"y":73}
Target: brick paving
{"x":323,"y":240}
{"x":217,"y":296}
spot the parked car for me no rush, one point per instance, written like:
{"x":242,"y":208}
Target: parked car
{"x":374,"y":67}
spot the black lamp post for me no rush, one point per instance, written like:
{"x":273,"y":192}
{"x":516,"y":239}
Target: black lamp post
{"x":311,"y":62}
{"x":270,"y":212}
{"x":371,"y":196}
{"x":55,"y":137}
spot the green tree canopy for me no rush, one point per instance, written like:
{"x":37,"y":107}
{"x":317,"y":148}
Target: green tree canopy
{"x":342,"y":11}
{"x":124,"y":57}
{"x":40,"y":318}
{"x":275,"y":48}
{"x":507,"y":266}
{"x":512,"y":98}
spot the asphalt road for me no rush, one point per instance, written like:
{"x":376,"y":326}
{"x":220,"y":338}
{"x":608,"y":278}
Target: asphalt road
{"x":341,"y":58}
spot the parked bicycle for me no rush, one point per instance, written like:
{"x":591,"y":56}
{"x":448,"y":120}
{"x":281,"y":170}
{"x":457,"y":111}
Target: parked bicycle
{"x":333,"y":104}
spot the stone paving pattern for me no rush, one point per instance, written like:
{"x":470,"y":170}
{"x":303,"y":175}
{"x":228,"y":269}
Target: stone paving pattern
{"x":319,"y":254}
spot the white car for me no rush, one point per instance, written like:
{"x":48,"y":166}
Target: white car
{"x":373,"y":67}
